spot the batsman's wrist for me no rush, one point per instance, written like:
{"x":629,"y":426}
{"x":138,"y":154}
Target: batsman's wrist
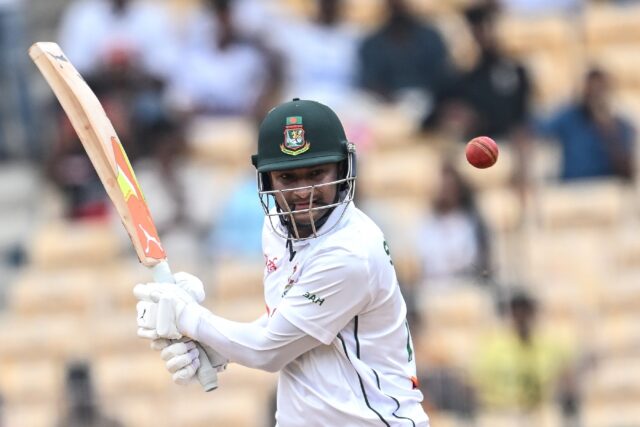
{"x":189,"y":320}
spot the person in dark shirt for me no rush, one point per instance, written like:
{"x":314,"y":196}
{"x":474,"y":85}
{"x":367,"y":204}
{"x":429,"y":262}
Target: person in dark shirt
{"x":403,"y":54}
{"x":492,"y":98}
{"x":594,"y":141}
{"x":82,"y":406}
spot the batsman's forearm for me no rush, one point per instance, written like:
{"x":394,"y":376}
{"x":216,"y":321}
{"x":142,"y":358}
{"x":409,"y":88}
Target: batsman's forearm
{"x":268,"y":347}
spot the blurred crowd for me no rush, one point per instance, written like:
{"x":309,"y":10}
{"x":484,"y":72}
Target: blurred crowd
{"x":158,"y":71}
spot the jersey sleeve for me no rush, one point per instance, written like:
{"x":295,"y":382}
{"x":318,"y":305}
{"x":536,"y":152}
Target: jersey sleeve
{"x":269,"y":343}
{"x":331,"y":290}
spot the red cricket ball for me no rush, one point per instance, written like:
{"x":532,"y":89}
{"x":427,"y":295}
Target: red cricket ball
{"x":482,"y":152}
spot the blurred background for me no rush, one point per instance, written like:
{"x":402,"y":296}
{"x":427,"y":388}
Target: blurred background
{"x":522,"y":280}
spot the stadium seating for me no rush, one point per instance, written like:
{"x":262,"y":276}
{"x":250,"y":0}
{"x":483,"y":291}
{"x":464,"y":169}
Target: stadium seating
{"x":30,"y":380}
{"x":545,"y":416}
{"x":621,"y":61}
{"x":28,"y":337}
{"x":58,"y":291}
{"x":617,"y":335}
{"x":219,"y":141}
{"x":123,"y":373}
{"x":614,"y":379}
{"x":222,"y":408}
{"x":501,"y":208}
{"x":605,"y":25}
{"x":139,"y":410}
{"x":117,"y":336}
{"x":410,"y":172}
{"x":622,"y":295}
{"x":31,"y":414}
{"x":237,"y":280}
{"x":604,"y":414}
{"x":64,"y":244}
{"x":455,"y":317}
{"x":573,"y":205}
{"x":240,"y":311}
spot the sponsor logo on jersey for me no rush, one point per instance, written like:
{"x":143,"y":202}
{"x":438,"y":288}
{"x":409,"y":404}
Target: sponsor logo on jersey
{"x":385,"y":245}
{"x":290,"y":281}
{"x":294,"y":141}
{"x":270,"y":264}
{"x":313,"y":298}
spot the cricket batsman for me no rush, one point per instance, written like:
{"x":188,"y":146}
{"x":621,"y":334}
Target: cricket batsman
{"x":335,"y":326}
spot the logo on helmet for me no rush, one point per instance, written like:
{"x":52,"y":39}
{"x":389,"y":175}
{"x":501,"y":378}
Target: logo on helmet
{"x":294,"y":142}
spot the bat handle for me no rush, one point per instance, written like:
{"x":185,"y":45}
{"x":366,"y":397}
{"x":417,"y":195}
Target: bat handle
{"x":207,"y":374}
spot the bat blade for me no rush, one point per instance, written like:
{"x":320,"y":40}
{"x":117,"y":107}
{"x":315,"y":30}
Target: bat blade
{"x":100,"y":141}
{"x":103,"y":147}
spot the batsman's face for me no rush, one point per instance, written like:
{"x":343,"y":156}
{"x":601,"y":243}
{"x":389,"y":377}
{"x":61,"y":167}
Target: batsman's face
{"x":303,"y":189}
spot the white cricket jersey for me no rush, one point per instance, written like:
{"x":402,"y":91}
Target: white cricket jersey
{"x":341,"y":288}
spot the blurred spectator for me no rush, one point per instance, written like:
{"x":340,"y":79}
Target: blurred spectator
{"x":17,"y":132}
{"x":68,"y":165}
{"x":99,"y":34}
{"x":259,"y":19}
{"x":521,"y":368}
{"x":594,"y":140}
{"x":452,"y":242}
{"x":404,"y":55}
{"x":125,"y":49}
{"x":223,"y":71}
{"x":164,"y":141}
{"x":69,"y":168}
{"x":82,"y":408}
{"x":321,"y":60}
{"x":492,"y":98}
{"x":241,"y":219}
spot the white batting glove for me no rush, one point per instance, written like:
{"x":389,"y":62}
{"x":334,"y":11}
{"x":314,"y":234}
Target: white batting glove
{"x":182,"y":358}
{"x":147,"y":311}
{"x":159,"y":308}
{"x":190,"y":284}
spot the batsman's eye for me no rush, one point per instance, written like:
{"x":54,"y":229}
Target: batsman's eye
{"x":317,"y":172}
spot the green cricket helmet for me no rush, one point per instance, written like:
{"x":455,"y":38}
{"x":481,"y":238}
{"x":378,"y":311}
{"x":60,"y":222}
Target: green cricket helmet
{"x":300,"y":134}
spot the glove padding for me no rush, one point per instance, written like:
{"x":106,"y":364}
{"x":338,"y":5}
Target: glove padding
{"x":159,"y":308}
{"x":148,"y":312}
{"x":182,"y":358}
{"x":191,"y":285}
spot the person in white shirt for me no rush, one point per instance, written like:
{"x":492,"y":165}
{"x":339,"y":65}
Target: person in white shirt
{"x":451,"y":242}
{"x":336,"y":324}
{"x":230,"y":70}
{"x":321,"y":62}
{"x":96,"y":33}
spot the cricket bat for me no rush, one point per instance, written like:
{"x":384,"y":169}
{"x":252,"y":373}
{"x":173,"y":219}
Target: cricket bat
{"x":110,"y":161}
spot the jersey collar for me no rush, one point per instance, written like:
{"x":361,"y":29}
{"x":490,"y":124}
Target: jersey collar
{"x":340,"y":212}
